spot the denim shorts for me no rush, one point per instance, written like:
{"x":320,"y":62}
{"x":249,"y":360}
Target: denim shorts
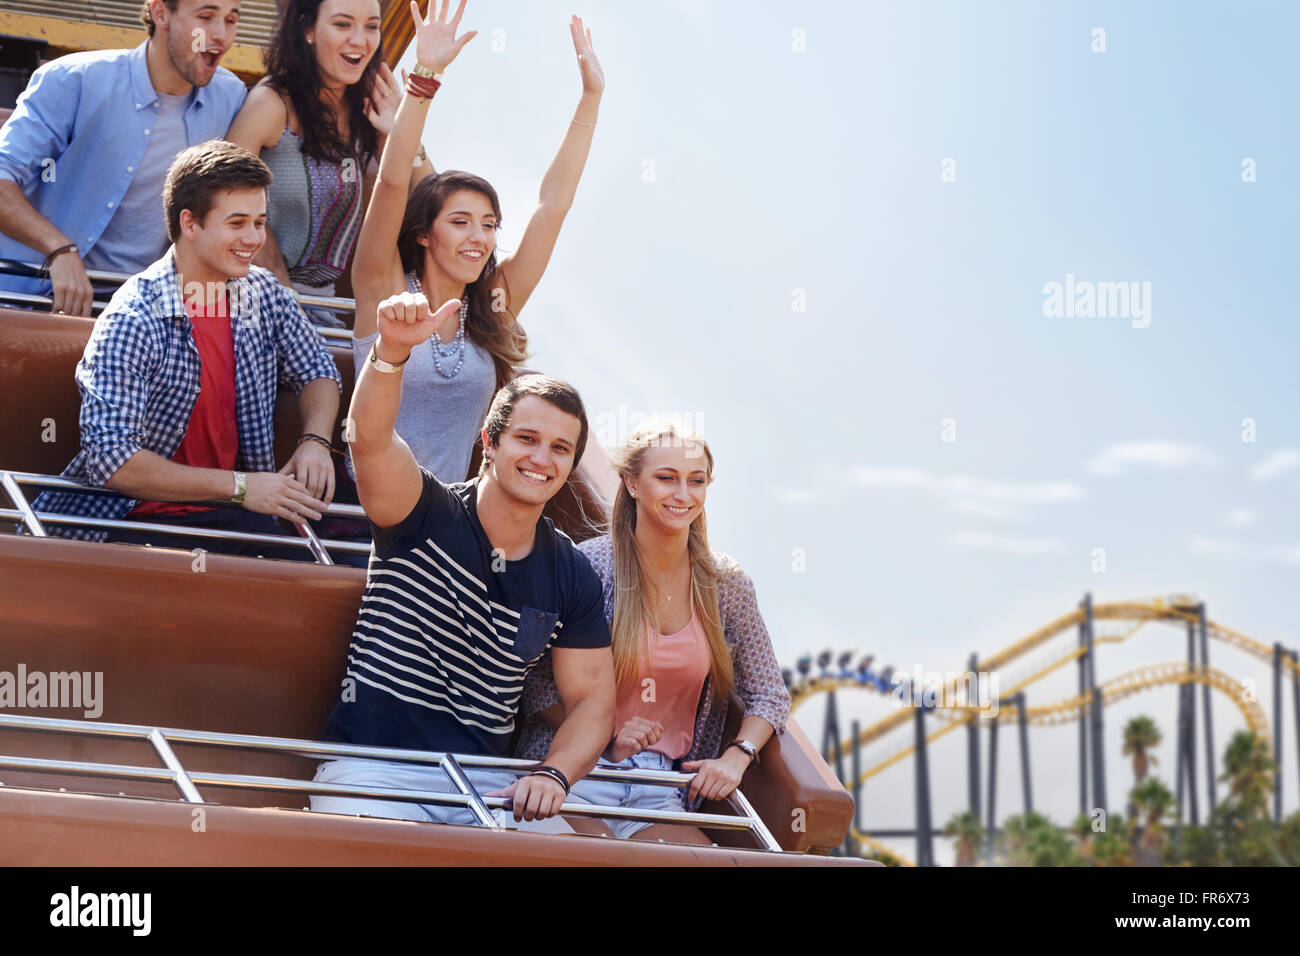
{"x":638,"y":796}
{"x":396,"y":775}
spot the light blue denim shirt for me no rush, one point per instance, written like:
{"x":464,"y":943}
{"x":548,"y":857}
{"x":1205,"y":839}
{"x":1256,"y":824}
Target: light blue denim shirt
{"x":76,"y":138}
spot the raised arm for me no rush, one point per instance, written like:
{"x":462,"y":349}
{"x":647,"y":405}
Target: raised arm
{"x":382,"y":104}
{"x":523,"y":270}
{"x":388,"y":477}
{"x":376,"y":267}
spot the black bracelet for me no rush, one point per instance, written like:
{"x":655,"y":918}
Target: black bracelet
{"x":554,"y":774}
{"x":45,"y":266}
{"x":324,"y":441}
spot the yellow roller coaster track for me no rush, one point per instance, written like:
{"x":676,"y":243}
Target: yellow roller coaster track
{"x":1069,"y":709}
{"x":1140,"y":611}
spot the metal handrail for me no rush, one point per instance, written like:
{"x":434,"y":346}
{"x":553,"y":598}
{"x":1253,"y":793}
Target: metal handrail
{"x":27,"y":269}
{"x":188,"y":781}
{"x":11,"y":482}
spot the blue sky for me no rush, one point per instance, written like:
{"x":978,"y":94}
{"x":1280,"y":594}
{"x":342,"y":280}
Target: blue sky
{"x":734,"y":178}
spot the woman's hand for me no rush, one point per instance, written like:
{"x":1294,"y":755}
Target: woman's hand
{"x":384,"y":98}
{"x":632,"y":738}
{"x":593,"y":77}
{"x":436,"y":45}
{"x":715,"y":779}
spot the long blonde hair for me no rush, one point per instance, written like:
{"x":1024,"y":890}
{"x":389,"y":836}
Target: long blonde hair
{"x":633,"y":611}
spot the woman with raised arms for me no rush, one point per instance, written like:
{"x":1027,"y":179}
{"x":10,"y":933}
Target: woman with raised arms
{"x":442,"y":241}
{"x":686,"y":632}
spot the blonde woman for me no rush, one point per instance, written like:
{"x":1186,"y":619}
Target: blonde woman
{"x":686,"y":633}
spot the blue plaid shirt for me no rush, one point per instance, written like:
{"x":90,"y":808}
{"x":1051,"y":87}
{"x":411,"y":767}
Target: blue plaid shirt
{"x":139,"y":378}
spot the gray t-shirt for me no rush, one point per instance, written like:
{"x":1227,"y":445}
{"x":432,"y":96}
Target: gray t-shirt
{"x":137,"y":234}
{"x":440,"y":417}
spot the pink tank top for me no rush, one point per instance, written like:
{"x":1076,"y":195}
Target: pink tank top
{"x":668,"y":686}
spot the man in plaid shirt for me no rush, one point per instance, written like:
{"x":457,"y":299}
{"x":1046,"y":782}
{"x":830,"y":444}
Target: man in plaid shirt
{"x":178,"y":381}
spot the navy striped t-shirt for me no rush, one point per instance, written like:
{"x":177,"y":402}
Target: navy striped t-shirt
{"x":447,"y":632}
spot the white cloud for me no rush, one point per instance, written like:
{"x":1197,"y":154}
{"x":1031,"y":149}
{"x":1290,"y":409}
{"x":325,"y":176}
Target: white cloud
{"x":1250,"y":554}
{"x":1167,"y":455}
{"x":982,"y":509}
{"x":1239,"y":518}
{"x":793,"y":496}
{"x":964,"y":492}
{"x":981,"y":541}
{"x":1276,"y":464}
{"x":1217,"y":547}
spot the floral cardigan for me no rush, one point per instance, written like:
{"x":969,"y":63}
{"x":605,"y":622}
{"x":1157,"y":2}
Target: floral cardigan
{"x":757,"y":674}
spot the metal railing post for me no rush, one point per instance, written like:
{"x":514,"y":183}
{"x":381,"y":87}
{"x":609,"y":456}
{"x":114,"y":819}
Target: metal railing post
{"x":476,"y":805}
{"x":183,"y":782}
{"x":20,"y":502}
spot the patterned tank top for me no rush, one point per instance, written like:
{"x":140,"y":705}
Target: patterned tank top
{"x":315,"y":210}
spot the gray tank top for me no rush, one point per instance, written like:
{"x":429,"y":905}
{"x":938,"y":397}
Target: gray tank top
{"x":439,"y":417}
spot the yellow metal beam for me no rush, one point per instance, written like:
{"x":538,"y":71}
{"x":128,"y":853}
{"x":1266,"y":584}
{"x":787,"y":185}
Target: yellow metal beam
{"x":66,"y":36}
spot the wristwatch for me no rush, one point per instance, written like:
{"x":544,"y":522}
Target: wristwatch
{"x":241,"y":488}
{"x":383,"y":366}
{"x":746,"y":746}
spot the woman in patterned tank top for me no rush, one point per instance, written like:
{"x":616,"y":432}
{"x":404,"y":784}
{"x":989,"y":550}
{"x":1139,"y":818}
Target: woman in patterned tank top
{"x":319,"y":119}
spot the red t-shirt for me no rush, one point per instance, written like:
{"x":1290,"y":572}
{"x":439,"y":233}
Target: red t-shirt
{"x":212,"y":437}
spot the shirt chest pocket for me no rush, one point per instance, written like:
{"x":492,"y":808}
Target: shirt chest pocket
{"x":534,"y":632}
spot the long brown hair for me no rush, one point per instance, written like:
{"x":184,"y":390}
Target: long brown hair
{"x":633,"y":610}
{"x":292,"y":71}
{"x":487,"y":326}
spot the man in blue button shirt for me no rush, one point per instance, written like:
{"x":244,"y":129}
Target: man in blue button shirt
{"x":85,"y":153}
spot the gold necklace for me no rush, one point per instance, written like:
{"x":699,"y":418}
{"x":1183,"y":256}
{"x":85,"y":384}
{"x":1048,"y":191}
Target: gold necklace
{"x":662,"y":593}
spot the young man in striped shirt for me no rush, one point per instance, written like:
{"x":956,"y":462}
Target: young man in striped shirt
{"x":468,"y":587}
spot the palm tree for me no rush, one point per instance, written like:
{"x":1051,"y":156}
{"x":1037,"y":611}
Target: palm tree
{"x":1114,"y":845}
{"x":1248,"y":770}
{"x":1083,"y":831}
{"x":966,"y":828}
{"x":1154,"y":800}
{"x":1141,"y":735}
{"x":1031,"y":840}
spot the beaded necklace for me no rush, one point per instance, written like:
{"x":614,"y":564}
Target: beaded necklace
{"x":456,"y":347}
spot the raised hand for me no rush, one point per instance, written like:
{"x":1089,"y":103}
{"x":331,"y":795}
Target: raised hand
{"x":436,"y":45}
{"x":405,"y":321}
{"x":593,"y":77}
{"x":384,"y":98}
{"x":633,"y":737}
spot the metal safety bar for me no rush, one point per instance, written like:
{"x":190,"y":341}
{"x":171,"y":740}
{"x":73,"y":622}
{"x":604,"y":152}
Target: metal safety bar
{"x":14,"y":267}
{"x":11,"y":482}
{"x":188,"y":781}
